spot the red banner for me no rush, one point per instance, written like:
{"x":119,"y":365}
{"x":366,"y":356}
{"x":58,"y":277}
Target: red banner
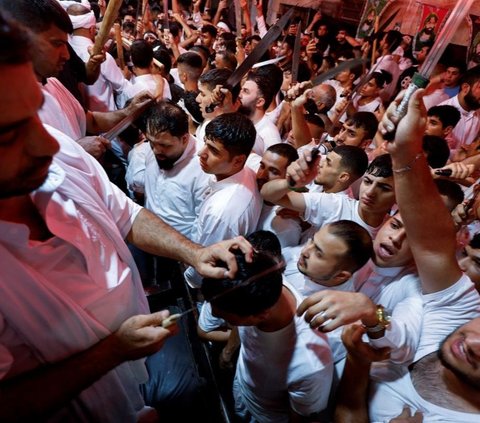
{"x":474,"y":49}
{"x":430,"y":23}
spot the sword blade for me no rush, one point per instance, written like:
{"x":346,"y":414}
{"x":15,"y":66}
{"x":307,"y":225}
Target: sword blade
{"x":296,"y":54}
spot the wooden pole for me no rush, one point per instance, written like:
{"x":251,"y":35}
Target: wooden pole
{"x":107,"y":23}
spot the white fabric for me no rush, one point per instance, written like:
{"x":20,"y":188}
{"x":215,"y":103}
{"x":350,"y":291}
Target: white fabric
{"x":468,"y":127}
{"x":231,"y":207}
{"x":323,"y":208}
{"x":174,"y":195}
{"x":268,"y":131}
{"x":291,"y":367}
{"x":143,"y":83}
{"x":275,"y":113}
{"x":83,"y":21}
{"x":207,"y":321}
{"x":110,"y":81}
{"x":288,"y":230}
{"x":435,"y":98}
{"x":77,"y":287}
{"x":444,"y":311}
{"x":373,"y":106}
{"x":62,"y":110}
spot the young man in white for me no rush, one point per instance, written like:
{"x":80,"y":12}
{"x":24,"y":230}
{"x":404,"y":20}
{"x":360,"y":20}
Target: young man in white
{"x":284,"y":370}
{"x":442,"y":383}
{"x":232,"y":204}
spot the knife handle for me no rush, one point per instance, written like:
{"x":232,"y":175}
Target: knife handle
{"x":418,"y":81}
{"x":313,"y":156}
{"x":306,"y":87}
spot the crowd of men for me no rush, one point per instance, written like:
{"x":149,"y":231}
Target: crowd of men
{"x":355,"y":298}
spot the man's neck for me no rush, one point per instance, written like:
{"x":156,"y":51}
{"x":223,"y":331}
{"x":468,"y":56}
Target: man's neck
{"x":227,"y":175}
{"x":371,"y":218}
{"x":281,"y":314}
{"x":463,"y":104}
{"x":21,"y":210}
{"x":142,"y":71}
{"x":257,"y":116}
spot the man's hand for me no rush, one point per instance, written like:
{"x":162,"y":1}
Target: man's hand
{"x":408,"y":139}
{"x":407,"y":417}
{"x":359,"y":351}
{"x":140,"y":336}
{"x":139,"y":100}
{"x":94,"y":145}
{"x":458,"y":170}
{"x":328,"y":310}
{"x":223,"y":97}
{"x":207,"y":258}
{"x":303,"y":170}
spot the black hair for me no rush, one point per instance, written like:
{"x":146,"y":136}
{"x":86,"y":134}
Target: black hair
{"x":167,"y":117}
{"x":358,"y":241}
{"x":215,"y":77}
{"x":284,"y":150}
{"x":475,"y":241}
{"x":448,"y":115}
{"x":38,"y":15}
{"x":266,"y":242}
{"x":265,"y":84}
{"x":381,"y":78}
{"x":16,"y":42}
{"x":366,"y":121}
{"x":471,"y":76}
{"x":353,"y":159}
{"x":190,"y":102}
{"x":163,"y":56}
{"x":436,"y":149}
{"x":451,"y":190}
{"x":393,"y":39}
{"x":141,"y":53}
{"x":210,"y":29}
{"x":193,"y":63}
{"x":246,"y":299}
{"x":381,"y":166}
{"x":274,"y":75}
{"x":235,"y":131}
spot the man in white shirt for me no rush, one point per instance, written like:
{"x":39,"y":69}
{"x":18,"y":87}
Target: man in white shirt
{"x":273,"y":165}
{"x":467,"y":101}
{"x":451,"y":366}
{"x":166,"y":168}
{"x":255,"y":97}
{"x":284,"y":369}
{"x":232,"y":203}
{"x":73,"y":315}
{"x":111,"y":80}
{"x":376,"y":195}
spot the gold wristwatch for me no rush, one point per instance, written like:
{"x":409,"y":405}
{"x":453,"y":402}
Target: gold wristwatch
{"x":383,"y":321}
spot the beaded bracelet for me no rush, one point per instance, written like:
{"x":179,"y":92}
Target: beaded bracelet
{"x":408,"y":167}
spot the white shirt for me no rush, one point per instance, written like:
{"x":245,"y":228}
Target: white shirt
{"x":75,"y":288}
{"x":291,"y":367}
{"x":322,"y":208}
{"x":288,"y":230}
{"x":174,"y":195}
{"x":231,"y":207}
{"x":468,"y":126}
{"x":268,"y":131}
{"x":62,"y":110}
{"x":142,"y":83}
{"x":110,"y":80}
{"x":444,"y":312}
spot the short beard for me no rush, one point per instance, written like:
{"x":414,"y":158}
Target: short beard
{"x":465,"y":378}
{"x":166,"y":164}
{"x":245,"y":110}
{"x":471,"y":102}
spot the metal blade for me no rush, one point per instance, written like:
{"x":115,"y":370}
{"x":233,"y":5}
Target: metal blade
{"x":127,"y":121}
{"x":329,"y":74}
{"x":259,"y":50}
{"x":296,"y":54}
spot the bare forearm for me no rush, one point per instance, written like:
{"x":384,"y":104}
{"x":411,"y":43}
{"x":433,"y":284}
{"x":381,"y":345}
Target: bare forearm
{"x":301,"y":131}
{"x":99,"y":122}
{"x":51,"y":387}
{"x":153,"y":235}
{"x":351,"y":399}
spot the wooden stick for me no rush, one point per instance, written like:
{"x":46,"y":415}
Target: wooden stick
{"x":107,"y":23}
{"x":118,"y":39}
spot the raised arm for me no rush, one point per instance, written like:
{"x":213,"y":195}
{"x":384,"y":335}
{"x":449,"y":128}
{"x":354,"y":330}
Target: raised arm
{"x":428,"y":224}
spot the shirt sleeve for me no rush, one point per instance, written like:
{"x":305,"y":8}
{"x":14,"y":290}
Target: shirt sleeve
{"x":135,"y":175}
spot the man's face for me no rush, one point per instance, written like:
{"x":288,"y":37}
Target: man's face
{"x":421,"y":55}
{"x":376,"y":194}
{"x":284,"y":50}
{"x":430,"y":25}
{"x":249,"y":96}
{"x":391,"y":245}
{"x":329,"y":170}
{"x":51,"y":53}
{"x":272,"y":166}
{"x":204,"y":99}
{"x":26,"y":149}
{"x":472,"y":97}
{"x":460,"y":353}
{"x":341,"y":36}
{"x":321,"y":257}
{"x":451,"y":76}
{"x":215,"y":159}
{"x":207,"y":40}
{"x":370,"y":89}
{"x":470,"y":264}
{"x":350,"y":135}
{"x":434,"y":127}
{"x":343,"y":76}
{"x":128,"y":18}
{"x":167,"y":148}
{"x":322,"y":31}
